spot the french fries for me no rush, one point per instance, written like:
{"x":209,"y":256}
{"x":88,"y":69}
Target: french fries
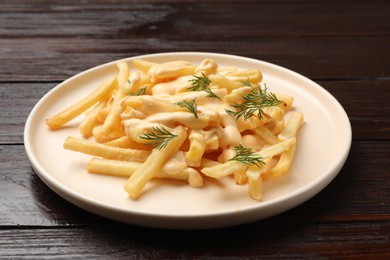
{"x":99,"y":94}
{"x":180,"y":121}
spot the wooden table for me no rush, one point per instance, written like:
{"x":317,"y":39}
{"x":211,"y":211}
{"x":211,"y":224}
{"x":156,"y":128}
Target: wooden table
{"x":345,"y":47}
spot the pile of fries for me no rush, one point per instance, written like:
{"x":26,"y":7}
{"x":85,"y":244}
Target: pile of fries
{"x":176,"y":120}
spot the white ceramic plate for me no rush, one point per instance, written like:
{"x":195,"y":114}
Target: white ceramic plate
{"x":323,"y":146}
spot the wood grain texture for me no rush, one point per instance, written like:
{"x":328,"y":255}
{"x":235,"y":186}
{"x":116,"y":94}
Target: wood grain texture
{"x":52,"y":41}
{"x":343,"y":46}
{"x":267,"y":239}
{"x":42,"y":59}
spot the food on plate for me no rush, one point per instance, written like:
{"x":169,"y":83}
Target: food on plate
{"x":183,"y":121}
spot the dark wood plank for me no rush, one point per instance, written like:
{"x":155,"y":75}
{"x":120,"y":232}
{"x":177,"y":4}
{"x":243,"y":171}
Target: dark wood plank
{"x":41,"y":59}
{"x":125,"y":19}
{"x":345,"y":47}
{"x":359,"y":192}
{"x":266,"y":240}
{"x":17,"y":100}
{"x":366,"y":103}
{"x":60,"y":40}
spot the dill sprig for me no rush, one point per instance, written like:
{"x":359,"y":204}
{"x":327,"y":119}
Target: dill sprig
{"x":254,"y":102}
{"x":139,"y":92}
{"x":247,"y":83}
{"x":246,"y":156}
{"x":190,"y":105}
{"x":159,"y":137}
{"x":202,"y":84}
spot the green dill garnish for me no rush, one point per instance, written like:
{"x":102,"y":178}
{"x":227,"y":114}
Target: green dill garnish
{"x":139,"y":92}
{"x":247,"y":83}
{"x":159,"y":137}
{"x":246,"y":156}
{"x":202,"y":84}
{"x":191,"y":105}
{"x":254,"y":102}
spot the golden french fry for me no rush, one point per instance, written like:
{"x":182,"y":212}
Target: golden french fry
{"x":127,"y":142}
{"x":143,"y":65}
{"x":224,"y":82}
{"x":206,"y":67}
{"x":253,"y":76}
{"x":91,"y":119}
{"x":255,"y":179}
{"x":153,"y":163}
{"x":123,"y":73}
{"x":294,"y":122}
{"x":275,"y":126}
{"x":195,"y":179}
{"x":266,"y":135}
{"x":100,"y":93}
{"x":274,"y":112}
{"x":126,"y":169}
{"x":170,"y":70}
{"x":224,"y":169}
{"x":122,"y":168}
{"x":255,"y":183}
{"x":100,"y":138}
{"x":101,"y":150}
{"x":240,"y":176}
{"x":287,"y":101}
{"x":284,"y":163}
{"x":197,"y":148}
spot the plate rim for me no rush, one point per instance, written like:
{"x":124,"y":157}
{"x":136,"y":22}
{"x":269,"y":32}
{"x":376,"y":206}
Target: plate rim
{"x":152,"y":219}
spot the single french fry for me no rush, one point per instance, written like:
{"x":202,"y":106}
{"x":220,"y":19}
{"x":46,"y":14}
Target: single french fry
{"x":143,"y":65}
{"x":195,"y":179}
{"x":127,"y":142}
{"x":224,"y":169}
{"x":90,"y":120}
{"x":266,"y":135}
{"x":101,"y":150}
{"x":287,"y":101}
{"x":125,"y":169}
{"x":206,"y":67}
{"x":153,"y":163}
{"x":276,"y":149}
{"x":170,"y":70}
{"x":284,"y":163}
{"x":255,"y":179}
{"x":240,"y":177}
{"x":100,"y":138}
{"x":254,"y":183}
{"x":293,"y":124}
{"x":149,"y":105}
{"x":253,"y":76}
{"x":236,"y":96}
{"x":274,"y":112}
{"x":275,"y":126}
{"x":197,"y":148}
{"x":123,"y":73}
{"x":251,"y":123}
{"x":66,"y":115}
{"x":224,"y":82}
